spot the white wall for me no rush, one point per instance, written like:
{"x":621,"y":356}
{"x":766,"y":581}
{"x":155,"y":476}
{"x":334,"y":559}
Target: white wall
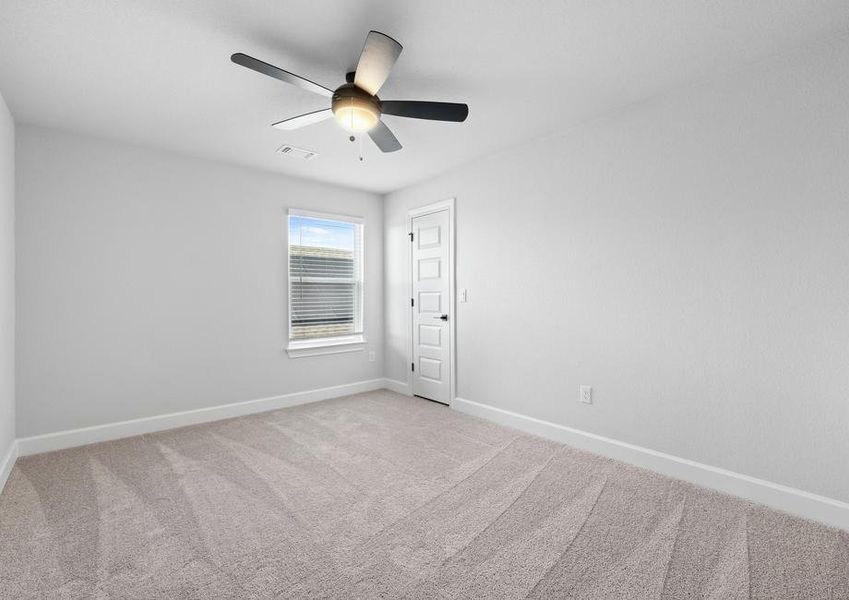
{"x":150,"y":283}
{"x":7,"y":280}
{"x":688,"y":257}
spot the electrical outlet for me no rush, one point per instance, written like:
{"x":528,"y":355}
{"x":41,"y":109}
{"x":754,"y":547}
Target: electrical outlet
{"x":586,"y":394}
{"x":371,"y":356}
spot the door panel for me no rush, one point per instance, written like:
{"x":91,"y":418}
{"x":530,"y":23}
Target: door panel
{"x":429,"y":237}
{"x":430,"y":335}
{"x":430,"y":368}
{"x":431,"y":302}
{"x":429,"y":269}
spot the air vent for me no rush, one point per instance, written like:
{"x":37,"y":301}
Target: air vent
{"x":295,"y":152}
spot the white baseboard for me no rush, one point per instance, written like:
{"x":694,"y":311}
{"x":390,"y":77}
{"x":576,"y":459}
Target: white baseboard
{"x":798,"y":502}
{"x":113,"y":431}
{"x":7,"y":462}
{"x":402,"y":387}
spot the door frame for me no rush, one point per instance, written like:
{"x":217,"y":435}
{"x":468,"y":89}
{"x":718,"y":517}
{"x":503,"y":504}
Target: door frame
{"x":452,"y":295}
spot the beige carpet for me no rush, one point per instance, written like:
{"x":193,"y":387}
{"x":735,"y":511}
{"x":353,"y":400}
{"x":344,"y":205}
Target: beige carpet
{"x":383,"y":496}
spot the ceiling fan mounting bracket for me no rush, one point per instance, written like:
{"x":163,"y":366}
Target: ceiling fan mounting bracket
{"x":349,"y":77}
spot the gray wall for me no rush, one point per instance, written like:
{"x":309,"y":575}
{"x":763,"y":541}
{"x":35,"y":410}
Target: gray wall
{"x":688,"y":257}
{"x":150,"y":283}
{"x":7,"y":279}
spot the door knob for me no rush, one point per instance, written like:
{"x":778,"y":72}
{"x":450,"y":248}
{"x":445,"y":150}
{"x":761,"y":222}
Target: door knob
{"x":442,"y":317}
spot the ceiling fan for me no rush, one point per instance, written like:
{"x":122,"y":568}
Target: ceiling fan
{"x":355,"y":103}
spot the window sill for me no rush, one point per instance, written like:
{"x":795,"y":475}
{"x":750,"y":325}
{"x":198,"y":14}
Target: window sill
{"x":336,"y":345}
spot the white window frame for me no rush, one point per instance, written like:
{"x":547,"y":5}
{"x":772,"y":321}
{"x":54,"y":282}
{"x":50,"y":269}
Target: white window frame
{"x":329,"y":345}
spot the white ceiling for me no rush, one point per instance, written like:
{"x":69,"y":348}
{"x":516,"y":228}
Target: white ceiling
{"x":157,"y":72}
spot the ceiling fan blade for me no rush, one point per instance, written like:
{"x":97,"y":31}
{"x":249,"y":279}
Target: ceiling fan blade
{"x":384,"y":138}
{"x":435,"y":111}
{"x":379,"y":54}
{"x":278,"y":73}
{"x":304,"y":120}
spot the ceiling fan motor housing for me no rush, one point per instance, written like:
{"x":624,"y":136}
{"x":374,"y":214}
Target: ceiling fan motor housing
{"x":354,"y":108}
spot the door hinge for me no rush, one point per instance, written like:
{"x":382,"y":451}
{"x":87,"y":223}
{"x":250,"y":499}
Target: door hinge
{"x":413,"y":367}
{"x":412,"y":301}
{"x":411,"y":236}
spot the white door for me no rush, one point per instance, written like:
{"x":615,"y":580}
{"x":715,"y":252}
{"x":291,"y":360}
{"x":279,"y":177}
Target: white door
{"x":431,"y":304}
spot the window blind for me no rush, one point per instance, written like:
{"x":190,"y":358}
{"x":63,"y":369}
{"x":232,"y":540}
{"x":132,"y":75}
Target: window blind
{"x":325,"y":282}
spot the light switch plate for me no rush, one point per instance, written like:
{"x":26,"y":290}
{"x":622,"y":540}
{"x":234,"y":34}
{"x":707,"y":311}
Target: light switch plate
{"x":586,"y":394}
{"x":464,"y":295}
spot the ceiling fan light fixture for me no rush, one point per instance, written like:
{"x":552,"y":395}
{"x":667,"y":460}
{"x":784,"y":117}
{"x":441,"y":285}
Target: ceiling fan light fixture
{"x":355,"y":110}
{"x":356,"y":116}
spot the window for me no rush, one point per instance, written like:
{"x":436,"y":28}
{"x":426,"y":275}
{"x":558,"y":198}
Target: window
{"x":325,"y":284}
